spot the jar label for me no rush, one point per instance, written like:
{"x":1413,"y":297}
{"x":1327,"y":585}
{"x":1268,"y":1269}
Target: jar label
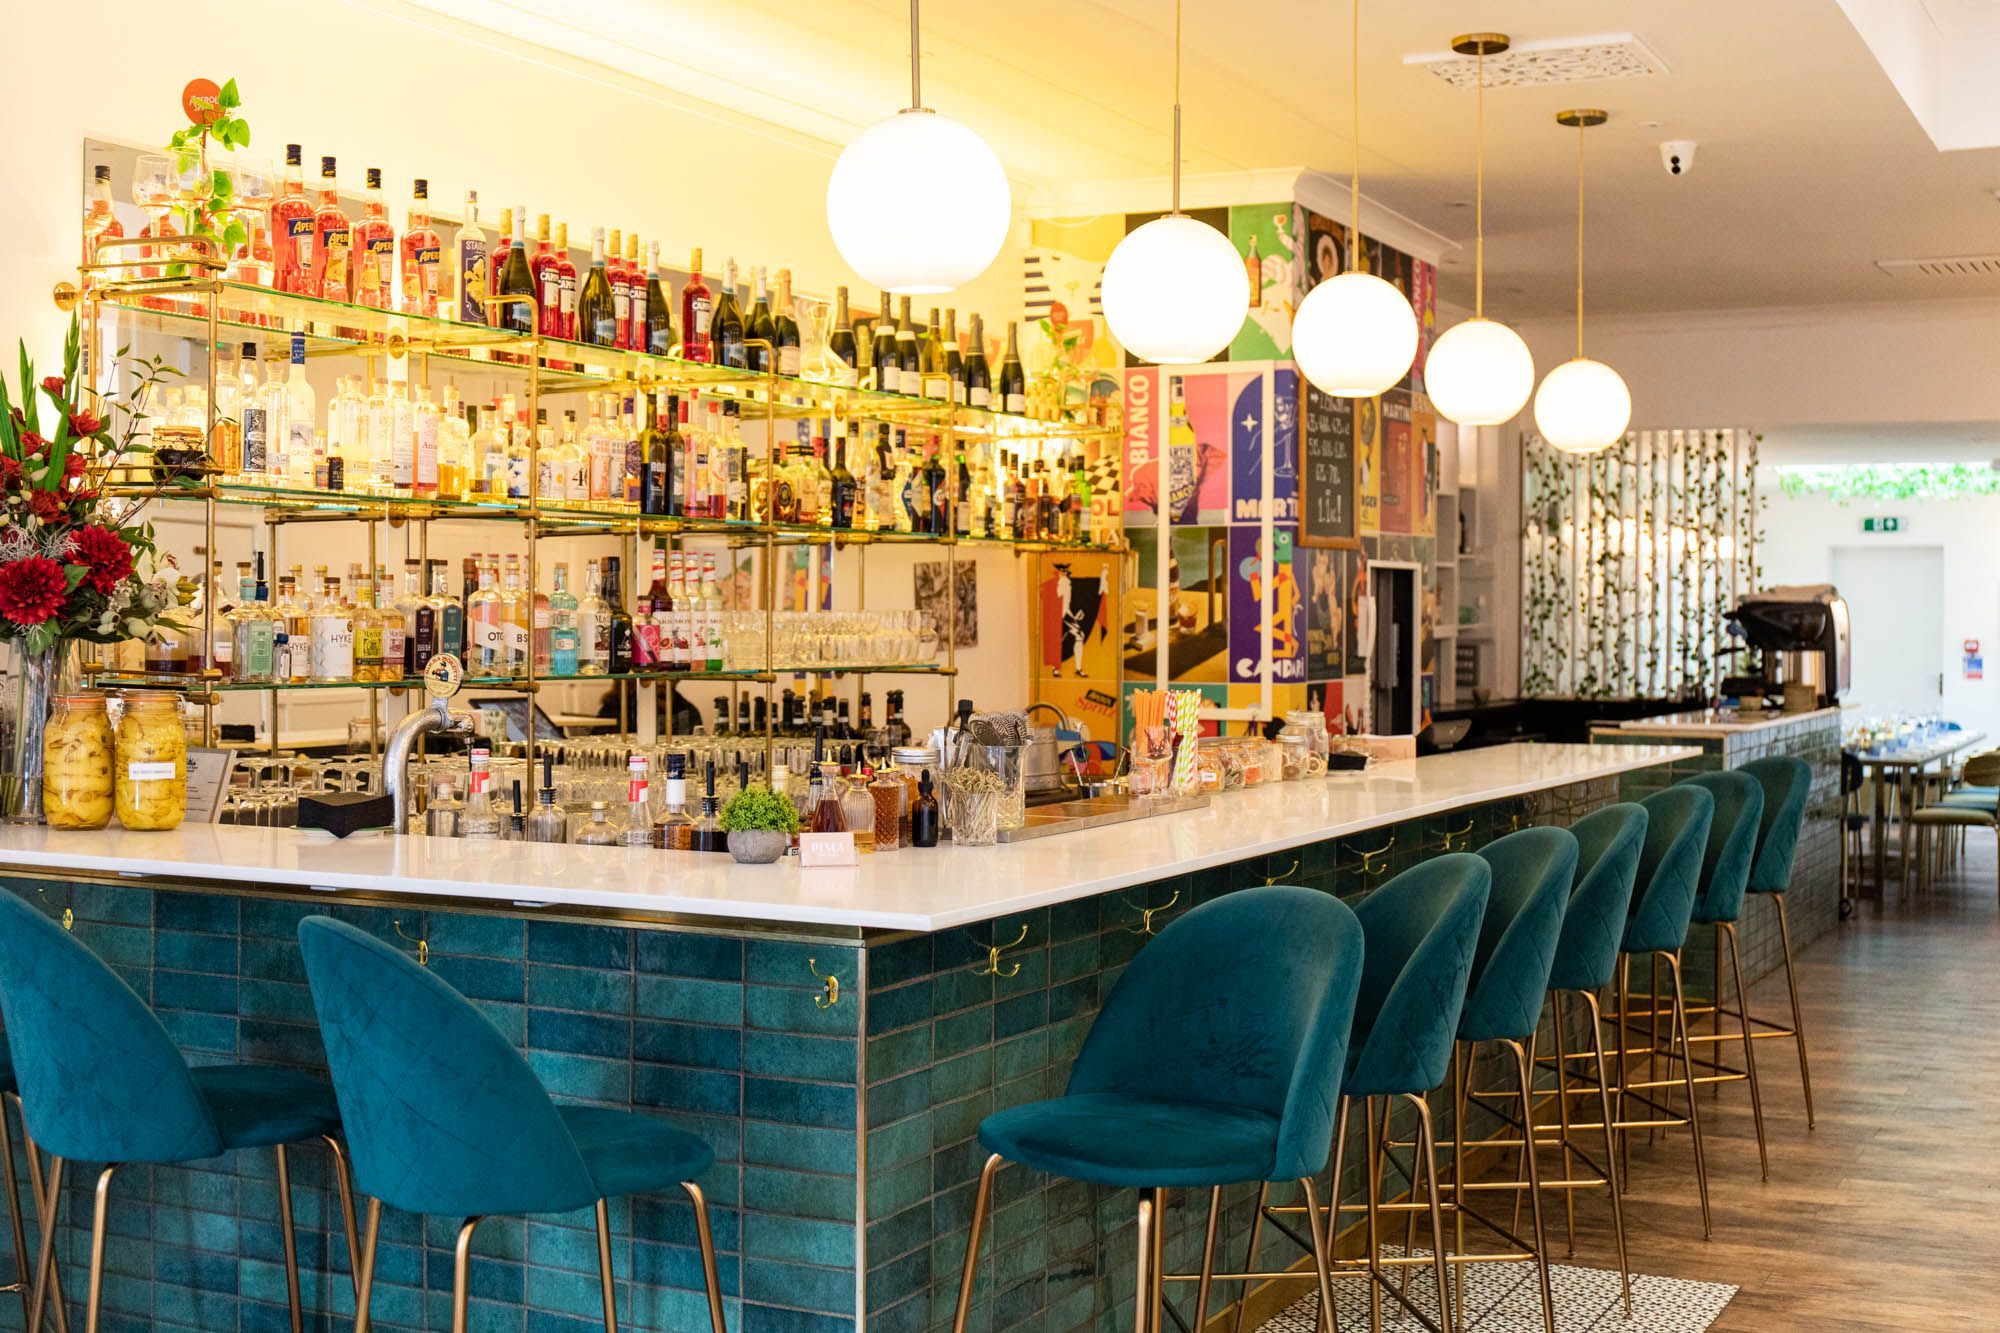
{"x":150,"y":771}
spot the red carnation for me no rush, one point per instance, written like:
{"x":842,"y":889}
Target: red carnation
{"x":53,"y":383}
{"x":32,"y":590}
{"x":107,"y":555}
{"x":84,"y":422}
{"x":75,"y":465}
{"x":32,"y":444}
{"x":10,"y":471}
{"x":46,"y":505}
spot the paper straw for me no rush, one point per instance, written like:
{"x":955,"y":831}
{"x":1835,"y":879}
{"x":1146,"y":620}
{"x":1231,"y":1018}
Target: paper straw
{"x":1187,"y":710}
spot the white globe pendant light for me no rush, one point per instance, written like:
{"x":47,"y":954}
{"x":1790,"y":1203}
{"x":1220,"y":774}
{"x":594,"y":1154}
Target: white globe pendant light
{"x":918,"y":203}
{"x":1173,"y":289}
{"x":1354,"y":335}
{"x":1479,"y":373}
{"x":1583,"y":405}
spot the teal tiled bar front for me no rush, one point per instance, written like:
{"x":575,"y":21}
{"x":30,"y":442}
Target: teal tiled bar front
{"x":844,"y":1128}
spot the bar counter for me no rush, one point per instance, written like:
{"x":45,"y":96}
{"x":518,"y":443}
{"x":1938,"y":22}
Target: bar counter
{"x":836,"y":1035}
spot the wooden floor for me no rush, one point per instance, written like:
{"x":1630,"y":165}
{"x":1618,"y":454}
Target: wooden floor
{"x":1887,"y":1216}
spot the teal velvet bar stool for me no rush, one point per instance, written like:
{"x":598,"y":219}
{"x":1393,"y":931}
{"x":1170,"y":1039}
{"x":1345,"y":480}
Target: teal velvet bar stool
{"x":1533,"y":871}
{"x":1787,"y":783}
{"x":445,"y":1117}
{"x":1669,"y":878}
{"x":1216,"y":1060}
{"x":101,"y":1081}
{"x":1725,"y":878}
{"x":1609,"y":842}
{"x":1422,"y":931}
{"x":10,"y":1094}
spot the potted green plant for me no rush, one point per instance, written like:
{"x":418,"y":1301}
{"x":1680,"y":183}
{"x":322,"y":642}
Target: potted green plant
{"x":760,"y":824}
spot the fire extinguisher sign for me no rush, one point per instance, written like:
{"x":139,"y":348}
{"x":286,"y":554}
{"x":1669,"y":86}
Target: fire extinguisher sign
{"x":1975,"y":664}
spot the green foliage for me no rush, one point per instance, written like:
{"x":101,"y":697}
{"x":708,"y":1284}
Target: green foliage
{"x":759,"y":808}
{"x":1889,"y":481}
{"x":214,"y":217}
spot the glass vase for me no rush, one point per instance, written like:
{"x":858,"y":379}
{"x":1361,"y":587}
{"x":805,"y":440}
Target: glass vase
{"x":38,"y":676}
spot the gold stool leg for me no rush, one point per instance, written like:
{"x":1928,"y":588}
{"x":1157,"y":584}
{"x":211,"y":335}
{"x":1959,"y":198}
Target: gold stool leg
{"x":344,"y":1181}
{"x":1208,"y":1256}
{"x":1375,"y":1279}
{"x":706,"y":1235}
{"x":1610,"y":1148}
{"x":364,"y":1274}
{"x":96,"y":1297}
{"x":1749,"y":1045}
{"x":1427,"y":1151}
{"x":980,"y":1203}
{"x":34,"y":1156}
{"x":47,"y":1209}
{"x":1142,"y":1289}
{"x":291,"y":1241}
{"x":1322,"y":1257}
{"x":461,"y":1272}
{"x":26,"y":1279}
{"x":1458,"y":1094}
{"x":1159,"y":1260}
{"x":607,"y":1283}
{"x":1687,"y":1075}
{"x":1562,"y":1118}
{"x":1798,"y":1018}
{"x":1620,"y":1035}
{"x":1257,"y":1221}
{"x":1524,"y":1065}
{"x":1329,"y":1318}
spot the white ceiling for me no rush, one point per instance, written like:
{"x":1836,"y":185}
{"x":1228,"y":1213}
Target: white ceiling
{"x":1891,"y":442}
{"x":1811,"y":165}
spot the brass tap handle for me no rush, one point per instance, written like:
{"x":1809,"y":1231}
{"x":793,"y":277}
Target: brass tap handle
{"x":992,"y":968}
{"x":830,"y":995}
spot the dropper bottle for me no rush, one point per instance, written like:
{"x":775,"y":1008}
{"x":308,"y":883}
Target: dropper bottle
{"x":547,"y":823}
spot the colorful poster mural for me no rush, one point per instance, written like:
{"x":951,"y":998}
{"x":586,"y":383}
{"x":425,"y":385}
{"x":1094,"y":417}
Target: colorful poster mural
{"x":1368,"y":462}
{"x":1076,"y":595}
{"x":1193,"y":427}
{"x":1247,"y":428}
{"x":1397,"y":509}
{"x":1326,"y":248}
{"x":1197,"y":623}
{"x":1424,"y":461}
{"x":1267,"y":236}
{"x":1249,"y":565}
{"x":1327,"y":576}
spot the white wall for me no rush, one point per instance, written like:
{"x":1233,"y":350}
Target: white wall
{"x":1800,"y":535}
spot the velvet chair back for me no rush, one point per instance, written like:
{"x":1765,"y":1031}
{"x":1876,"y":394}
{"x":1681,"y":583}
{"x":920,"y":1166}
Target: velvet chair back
{"x":1533,"y":872}
{"x":1732,"y":843}
{"x":1787,"y":781}
{"x":1422,"y":929}
{"x":1677,"y":823}
{"x":1608,"y":845}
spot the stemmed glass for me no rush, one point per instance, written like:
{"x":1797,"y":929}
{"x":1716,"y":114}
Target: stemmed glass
{"x":254,"y":183}
{"x":153,"y":190}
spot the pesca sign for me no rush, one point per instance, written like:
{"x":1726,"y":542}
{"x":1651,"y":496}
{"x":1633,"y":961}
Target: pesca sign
{"x":202,"y":101}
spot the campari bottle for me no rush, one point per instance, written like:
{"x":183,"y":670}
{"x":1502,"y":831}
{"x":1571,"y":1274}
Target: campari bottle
{"x":292,"y":230}
{"x":333,"y":241}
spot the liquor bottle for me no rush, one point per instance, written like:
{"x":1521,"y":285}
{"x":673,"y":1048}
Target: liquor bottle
{"x":882,"y":351}
{"x":479,"y":820}
{"x":648,"y":639}
{"x":99,"y":222}
{"x":596,"y":306}
{"x":1253,"y":267}
{"x":845,"y":488}
{"x":517,"y":279}
{"x":593,"y":625}
{"x":253,"y":262}
{"x":708,"y":834}
{"x":693,"y":485}
{"x":332,"y":636}
{"x":937,"y":485}
{"x":845,"y":351}
{"x":657,"y":321}
{"x":620,"y":620}
{"x":374,"y":248}
{"x":621,"y":287}
{"x":486,"y":629}
{"x":954,"y":359}
{"x":541,"y":643}
{"x":931,"y":362}
{"x":422,"y":253}
{"x":912,"y":487}
{"x":333,"y":241}
{"x":519,"y":458}
{"x":471,"y":250}
{"x":514,"y":613}
{"x":789,"y":350}
{"x":1012,"y":388}
{"x":292,"y":230}
{"x":961,"y":495}
{"x":298,"y":622}
{"x":564,"y":643}
{"x":677,"y":634}
{"x":656,"y":478}
{"x":301,"y":415}
{"x":566,"y":278}
{"x":426,"y":436}
{"x":672,"y":493}
{"x":628,"y":457}
{"x":909,"y":359}
{"x":548,"y":285}
{"x":253,"y":416}
{"x":496,"y":264}
{"x":711,"y":611}
{"x":251,"y":632}
{"x":367,"y":625}
{"x":394,"y":611}
{"x":816,"y":499}
{"x":978,"y":377}
{"x":402,"y":435}
{"x":632,"y":331}
{"x":760,"y":331}
{"x":697,"y":311}
{"x":546,"y":822}
{"x":734,"y":454}
{"x":420,"y":610}
{"x":450,"y":612}
{"x":675,"y":831}
{"x":726,"y":329}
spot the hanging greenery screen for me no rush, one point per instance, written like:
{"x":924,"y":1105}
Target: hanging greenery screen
{"x":1630,"y":559}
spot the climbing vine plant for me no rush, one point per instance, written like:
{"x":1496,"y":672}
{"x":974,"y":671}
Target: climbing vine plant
{"x":1630,"y":560}
{"x":1889,"y":481}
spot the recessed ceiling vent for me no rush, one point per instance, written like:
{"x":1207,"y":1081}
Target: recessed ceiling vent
{"x":1949,"y":266}
{"x":1548,"y":61}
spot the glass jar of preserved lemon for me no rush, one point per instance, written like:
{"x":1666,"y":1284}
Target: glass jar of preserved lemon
{"x":76,"y":762}
{"x":152,"y":762}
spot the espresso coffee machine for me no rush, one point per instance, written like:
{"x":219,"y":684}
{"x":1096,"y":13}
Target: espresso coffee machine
{"x":1796,"y":643}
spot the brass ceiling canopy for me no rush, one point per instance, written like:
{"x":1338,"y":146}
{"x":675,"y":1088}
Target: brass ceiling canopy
{"x":1481,"y":43}
{"x":1582,"y":118}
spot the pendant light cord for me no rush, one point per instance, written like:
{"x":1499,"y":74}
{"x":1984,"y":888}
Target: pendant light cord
{"x":916,"y":63}
{"x":1580,"y":128}
{"x":1479,"y":198}
{"x":1177,"y":104}
{"x":1357,"y":261}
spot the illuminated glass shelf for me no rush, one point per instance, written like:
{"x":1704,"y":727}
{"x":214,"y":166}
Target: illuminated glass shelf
{"x":193,"y":683}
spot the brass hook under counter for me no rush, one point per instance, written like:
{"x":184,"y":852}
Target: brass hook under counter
{"x":1270,"y":880}
{"x":1461,"y":836}
{"x":423,"y":945}
{"x":1146,"y":915}
{"x":68,"y":913}
{"x":1369,"y":860}
{"x":992,"y":966}
{"x":831,"y":995}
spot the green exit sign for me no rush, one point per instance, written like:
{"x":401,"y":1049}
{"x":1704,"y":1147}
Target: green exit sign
{"x":1881,"y":525}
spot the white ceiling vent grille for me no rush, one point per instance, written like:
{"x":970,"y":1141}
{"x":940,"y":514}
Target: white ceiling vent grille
{"x":1549,"y":61}
{"x":1949,"y":266}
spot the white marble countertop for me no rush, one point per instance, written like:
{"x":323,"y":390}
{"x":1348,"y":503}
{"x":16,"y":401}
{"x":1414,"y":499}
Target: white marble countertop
{"x":1709,"y":722}
{"x":911,"y":889}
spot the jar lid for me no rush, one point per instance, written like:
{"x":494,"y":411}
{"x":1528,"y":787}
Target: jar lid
{"x":150,"y":700}
{"x":81,"y":699}
{"x":914,"y":756}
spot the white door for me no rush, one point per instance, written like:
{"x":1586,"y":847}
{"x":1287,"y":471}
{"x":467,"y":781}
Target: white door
{"x":1896,"y":597}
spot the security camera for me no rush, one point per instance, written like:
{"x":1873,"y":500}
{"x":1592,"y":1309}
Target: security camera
{"x":1677,"y":156}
